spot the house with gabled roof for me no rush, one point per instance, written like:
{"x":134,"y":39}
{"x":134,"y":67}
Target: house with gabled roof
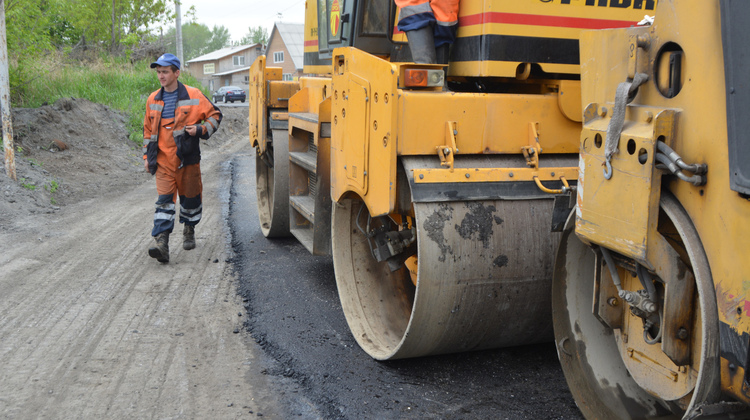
{"x":286,"y":49}
{"x":225,"y":67}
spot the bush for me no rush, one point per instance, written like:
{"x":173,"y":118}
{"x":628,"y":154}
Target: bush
{"x":115,"y":82}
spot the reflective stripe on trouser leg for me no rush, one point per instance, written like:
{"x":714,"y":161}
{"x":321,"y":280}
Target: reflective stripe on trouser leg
{"x":164,"y":215}
{"x":190,"y":210}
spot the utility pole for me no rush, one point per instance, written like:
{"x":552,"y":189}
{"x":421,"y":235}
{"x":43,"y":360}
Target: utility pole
{"x":112,"y":45}
{"x":10,"y":157}
{"x":178,"y":30}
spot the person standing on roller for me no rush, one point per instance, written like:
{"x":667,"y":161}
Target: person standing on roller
{"x":177,"y":117}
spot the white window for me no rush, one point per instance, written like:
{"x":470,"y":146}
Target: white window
{"x":278,"y":57}
{"x":247,"y":79}
{"x":238,"y":60}
{"x":209,"y":68}
{"x":288,"y":76}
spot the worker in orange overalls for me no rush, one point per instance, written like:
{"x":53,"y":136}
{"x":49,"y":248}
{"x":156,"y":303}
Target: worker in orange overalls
{"x":177,"y":117}
{"x":430,"y":27}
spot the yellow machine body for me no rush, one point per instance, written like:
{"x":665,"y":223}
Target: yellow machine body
{"x":430,"y":171}
{"x":496,"y":36}
{"x":375,"y":121}
{"x":442,"y":206}
{"x":690,"y":234}
{"x":313,"y":64}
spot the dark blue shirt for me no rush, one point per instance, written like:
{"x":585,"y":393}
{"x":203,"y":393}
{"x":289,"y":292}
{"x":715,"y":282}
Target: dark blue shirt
{"x":170,"y":100}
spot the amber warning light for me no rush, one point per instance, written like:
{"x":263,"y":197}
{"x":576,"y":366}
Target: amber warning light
{"x":423,"y":78}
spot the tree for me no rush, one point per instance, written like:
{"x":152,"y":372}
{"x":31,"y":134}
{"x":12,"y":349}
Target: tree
{"x":108,"y":22}
{"x":197,"y":39}
{"x":29,"y":33}
{"x":257,"y":35}
{"x":28,"y":26}
{"x":220,"y":38}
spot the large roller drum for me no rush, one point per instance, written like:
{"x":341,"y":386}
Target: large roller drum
{"x":483,"y":275}
{"x":272,"y":186}
{"x":615,"y":373}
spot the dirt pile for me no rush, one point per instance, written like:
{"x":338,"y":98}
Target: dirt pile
{"x":76,"y":150}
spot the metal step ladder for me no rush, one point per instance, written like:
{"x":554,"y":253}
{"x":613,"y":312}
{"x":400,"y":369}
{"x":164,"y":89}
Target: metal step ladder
{"x":309,"y":190}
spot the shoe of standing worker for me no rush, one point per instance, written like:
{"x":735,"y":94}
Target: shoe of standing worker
{"x":188,"y":237}
{"x":161,"y":250}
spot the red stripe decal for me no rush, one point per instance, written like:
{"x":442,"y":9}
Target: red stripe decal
{"x":313,"y":43}
{"x":542,"y":20}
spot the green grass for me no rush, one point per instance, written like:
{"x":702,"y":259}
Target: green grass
{"x":27,"y":185}
{"x":53,"y":186}
{"x":114,"y":82}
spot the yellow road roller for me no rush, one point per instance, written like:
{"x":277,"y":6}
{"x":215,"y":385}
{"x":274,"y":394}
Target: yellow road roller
{"x":651,"y":279}
{"x":439,"y":190}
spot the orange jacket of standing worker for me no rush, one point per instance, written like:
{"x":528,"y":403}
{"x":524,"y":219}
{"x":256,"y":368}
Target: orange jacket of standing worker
{"x":192,"y":108}
{"x":442,"y":15}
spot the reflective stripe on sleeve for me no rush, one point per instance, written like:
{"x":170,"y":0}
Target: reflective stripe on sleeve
{"x":209,"y":128}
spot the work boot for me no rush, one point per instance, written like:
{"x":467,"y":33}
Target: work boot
{"x":422,"y":45}
{"x":188,"y":237}
{"x":161,"y":250}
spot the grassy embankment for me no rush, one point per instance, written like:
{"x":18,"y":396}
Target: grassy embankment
{"x":113,"y":82}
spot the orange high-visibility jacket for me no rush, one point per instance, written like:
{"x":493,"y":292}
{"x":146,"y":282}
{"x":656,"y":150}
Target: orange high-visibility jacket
{"x":192,"y":108}
{"x":441,"y":14}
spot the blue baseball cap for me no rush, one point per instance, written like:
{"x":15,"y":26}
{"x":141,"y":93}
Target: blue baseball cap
{"x":166,"y":60}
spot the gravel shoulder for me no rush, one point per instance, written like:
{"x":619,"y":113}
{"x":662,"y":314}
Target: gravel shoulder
{"x":90,"y":326}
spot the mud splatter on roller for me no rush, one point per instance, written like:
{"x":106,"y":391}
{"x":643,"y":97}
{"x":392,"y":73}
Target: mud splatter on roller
{"x":434,"y":226}
{"x":478,"y":220}
{"x":500,"y":261}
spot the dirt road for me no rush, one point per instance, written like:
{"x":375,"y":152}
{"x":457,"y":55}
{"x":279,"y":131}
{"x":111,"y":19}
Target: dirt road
{"x":91,"y":327}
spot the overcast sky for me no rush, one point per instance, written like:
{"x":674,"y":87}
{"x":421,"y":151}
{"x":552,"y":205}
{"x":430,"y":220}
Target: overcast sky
{"x":239,"y":15}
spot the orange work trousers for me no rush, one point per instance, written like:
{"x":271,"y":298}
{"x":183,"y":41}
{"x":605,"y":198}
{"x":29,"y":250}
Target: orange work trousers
{"x":174,"y":181}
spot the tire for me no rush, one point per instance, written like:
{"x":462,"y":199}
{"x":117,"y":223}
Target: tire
{"x":242,"y":100}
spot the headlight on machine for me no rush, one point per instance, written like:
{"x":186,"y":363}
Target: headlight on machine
{"x":423,"y":78}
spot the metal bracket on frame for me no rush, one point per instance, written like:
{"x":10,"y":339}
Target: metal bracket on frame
{"x":446,"y":152}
